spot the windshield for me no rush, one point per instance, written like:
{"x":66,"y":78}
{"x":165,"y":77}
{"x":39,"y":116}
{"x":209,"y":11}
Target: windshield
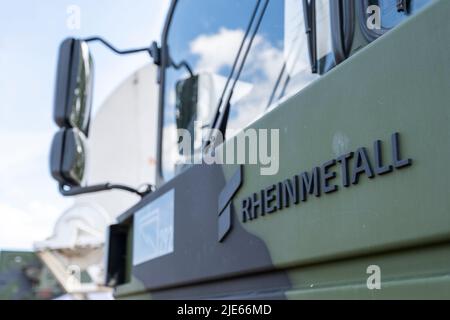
{"x":204,"y":39}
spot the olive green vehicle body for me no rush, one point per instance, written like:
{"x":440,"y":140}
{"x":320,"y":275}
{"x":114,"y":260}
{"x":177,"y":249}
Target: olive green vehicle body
{"x":321,"y":249}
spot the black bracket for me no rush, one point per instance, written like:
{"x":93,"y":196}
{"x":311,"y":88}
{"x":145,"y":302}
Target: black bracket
{"x":67,"y":190}
{"x":154,"y":50}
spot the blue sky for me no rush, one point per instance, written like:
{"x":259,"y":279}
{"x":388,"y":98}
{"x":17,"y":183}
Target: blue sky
{"x":30,"y":33}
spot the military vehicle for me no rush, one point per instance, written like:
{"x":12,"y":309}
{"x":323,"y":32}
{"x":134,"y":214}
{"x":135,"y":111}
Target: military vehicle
{"x":331,"y":120}
{"x":24,"y":277}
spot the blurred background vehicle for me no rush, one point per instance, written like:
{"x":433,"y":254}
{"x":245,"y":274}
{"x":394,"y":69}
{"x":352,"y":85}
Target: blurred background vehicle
{"x":24,"y":276}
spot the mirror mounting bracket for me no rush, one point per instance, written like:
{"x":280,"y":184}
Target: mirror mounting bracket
{"x":154,"y":50}
{"x":66,"y":190}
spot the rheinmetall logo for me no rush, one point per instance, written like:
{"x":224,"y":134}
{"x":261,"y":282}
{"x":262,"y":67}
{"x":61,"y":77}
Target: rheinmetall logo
{"x":319,"y":181}
{"x":226,"y":209}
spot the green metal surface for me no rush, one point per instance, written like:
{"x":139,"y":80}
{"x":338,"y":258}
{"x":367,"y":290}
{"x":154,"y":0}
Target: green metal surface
{"x":398,"y":83}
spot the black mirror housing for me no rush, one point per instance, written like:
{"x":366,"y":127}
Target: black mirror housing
{"x":68,"y":157}
{"x":186,"y":103}
{"x":74,"y":84}
{"x":72,"y":108}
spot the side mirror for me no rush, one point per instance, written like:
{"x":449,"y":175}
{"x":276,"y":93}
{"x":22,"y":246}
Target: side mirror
{"x":74,"y":83}
{"x":73,"y":98}
{"x":197,"y":99}
{"x":186,"y":103}
{"x":68,"y":157}
{"x":196,"y":102}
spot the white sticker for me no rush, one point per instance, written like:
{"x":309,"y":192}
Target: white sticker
{"x":153,"y":229}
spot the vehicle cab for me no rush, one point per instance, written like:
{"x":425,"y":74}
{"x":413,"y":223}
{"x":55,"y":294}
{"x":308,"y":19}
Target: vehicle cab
{"x":295,"y":147}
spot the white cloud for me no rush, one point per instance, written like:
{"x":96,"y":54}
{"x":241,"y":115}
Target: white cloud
{"x":262,"y":67}
{"x":216,"y":50}
{"x":261,"y":70}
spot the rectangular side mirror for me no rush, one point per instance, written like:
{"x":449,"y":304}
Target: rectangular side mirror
{"x":68,"y":157}
{"x":74,"y":84}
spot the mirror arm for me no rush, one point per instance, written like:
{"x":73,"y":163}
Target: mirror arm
{"x":153,"y":50}
{"x":182,"y":64}
{"x":73,"y":191}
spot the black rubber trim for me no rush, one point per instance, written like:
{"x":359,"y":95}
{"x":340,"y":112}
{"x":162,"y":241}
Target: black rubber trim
{"x":342,"y":27}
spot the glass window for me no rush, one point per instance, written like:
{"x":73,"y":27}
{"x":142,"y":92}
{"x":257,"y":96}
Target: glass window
{"x":204,"y":39}
{"x":204,"y":35}
{"x":278,"y":64}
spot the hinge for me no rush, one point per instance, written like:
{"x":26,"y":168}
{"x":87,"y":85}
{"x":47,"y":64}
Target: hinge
{"x":155,"y":52}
